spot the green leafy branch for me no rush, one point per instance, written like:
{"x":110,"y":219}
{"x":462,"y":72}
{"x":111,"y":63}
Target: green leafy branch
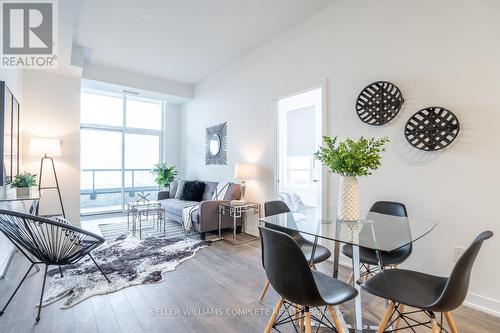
{"x":350,"y":157}
{"x":164,"y":175}
{"x":24,"y":179}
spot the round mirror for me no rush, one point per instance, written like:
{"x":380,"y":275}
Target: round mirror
{"x":214,"y":145}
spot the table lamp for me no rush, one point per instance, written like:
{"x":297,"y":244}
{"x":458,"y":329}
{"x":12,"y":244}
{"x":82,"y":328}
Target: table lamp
{"x":47,"y":148}
{"x":244,"y":172}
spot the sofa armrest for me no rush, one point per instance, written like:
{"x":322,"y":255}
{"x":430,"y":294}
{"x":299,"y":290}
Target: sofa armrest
{"x":163,"y":195}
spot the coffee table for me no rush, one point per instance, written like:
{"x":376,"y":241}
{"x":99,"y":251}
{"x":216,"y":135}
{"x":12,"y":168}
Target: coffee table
{"x":140,"y":211}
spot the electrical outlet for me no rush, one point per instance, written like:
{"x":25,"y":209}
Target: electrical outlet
{"x":458,"y":251}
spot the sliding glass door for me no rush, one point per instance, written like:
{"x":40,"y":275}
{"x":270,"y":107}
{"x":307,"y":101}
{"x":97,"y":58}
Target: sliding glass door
{"x":121,"y":140}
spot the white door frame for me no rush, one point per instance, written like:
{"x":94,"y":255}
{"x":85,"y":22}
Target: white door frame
{"x":323,"y":184}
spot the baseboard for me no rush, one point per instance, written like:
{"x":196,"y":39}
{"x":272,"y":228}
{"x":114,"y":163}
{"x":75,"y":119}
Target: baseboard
{"x":484,"y":304}
{"x":4,"y":265}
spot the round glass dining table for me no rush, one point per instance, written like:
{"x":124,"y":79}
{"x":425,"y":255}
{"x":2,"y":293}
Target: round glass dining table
{"x":376,"y":231}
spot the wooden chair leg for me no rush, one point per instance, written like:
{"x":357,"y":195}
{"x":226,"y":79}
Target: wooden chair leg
{"x":401,"y":309}
{"x":308,"y":321}
{"x":387,"y":316}
{"x":351,"y":277}
{"x":367,"y":273}
{"x":451,"y":322}
{"x":336,"y":319}
{"x":296,"y":313}
{"x":301,"y":321}
{"x":435,"y":325}
{"x":264,"y":290}
{"x":276,"y":310}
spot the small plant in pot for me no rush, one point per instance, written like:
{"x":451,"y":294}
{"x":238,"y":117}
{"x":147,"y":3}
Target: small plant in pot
{"x":23,"y":183}
{"x":164,"y":175}
{"x":350,"y":159}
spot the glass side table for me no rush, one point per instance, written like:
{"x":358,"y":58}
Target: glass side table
{"x":140,"y":211}
{"x":237,"y":211}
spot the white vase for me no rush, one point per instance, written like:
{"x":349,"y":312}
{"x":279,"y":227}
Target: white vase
{"x":348,"y":209}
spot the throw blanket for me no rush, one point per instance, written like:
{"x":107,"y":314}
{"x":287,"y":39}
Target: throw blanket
{"x":187,"y":216}
{"x":187,"y":212}
{"x":292,"y":200}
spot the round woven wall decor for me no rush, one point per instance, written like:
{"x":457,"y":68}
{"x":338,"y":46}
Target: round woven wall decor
{"x":432,"y":128}
{"x":378,"y":103}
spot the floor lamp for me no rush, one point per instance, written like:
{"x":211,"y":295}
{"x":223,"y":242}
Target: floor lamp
{"x":47,"y":148}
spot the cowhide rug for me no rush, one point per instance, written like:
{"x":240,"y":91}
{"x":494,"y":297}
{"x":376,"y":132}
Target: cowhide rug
{"x":127,"y":261}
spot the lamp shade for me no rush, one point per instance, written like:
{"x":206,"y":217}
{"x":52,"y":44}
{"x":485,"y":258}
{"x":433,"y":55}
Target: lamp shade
{"x":45,"y":147}
{"x":245,"y":171}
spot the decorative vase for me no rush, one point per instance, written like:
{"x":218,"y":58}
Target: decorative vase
{"x":348,"y":209}
{"x":23,"y":191}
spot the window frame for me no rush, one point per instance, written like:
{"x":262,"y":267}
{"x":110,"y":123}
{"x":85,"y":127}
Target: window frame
{"x":126,"y":130}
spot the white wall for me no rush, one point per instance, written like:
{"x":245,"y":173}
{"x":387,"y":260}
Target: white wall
{"x":439,"y":53}
{"x":13,"y":79}
{"x":172,"y":135}
{"x":52,"y":109}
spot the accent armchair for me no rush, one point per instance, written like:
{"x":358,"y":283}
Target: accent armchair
{"x":47,"y":241}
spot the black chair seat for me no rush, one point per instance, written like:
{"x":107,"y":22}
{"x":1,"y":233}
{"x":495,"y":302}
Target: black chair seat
{"x":415,"y":289}
{"x":333,"y":291}
{"x":320,"y":254}
{"x":369,"y":256}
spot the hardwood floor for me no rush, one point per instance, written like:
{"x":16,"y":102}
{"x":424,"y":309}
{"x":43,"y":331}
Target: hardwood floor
{"x":216,"y":291}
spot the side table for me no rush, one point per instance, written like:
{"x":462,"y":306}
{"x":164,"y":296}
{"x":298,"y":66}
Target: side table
{"x":238,"y":211}
{"x":144,"y":209}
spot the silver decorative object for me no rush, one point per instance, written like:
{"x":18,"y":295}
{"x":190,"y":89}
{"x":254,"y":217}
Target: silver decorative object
{"x":216,"y":144}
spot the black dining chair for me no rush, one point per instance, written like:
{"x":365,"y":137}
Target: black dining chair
{"x":368,"y":257}
{"x":320,"y":254}
{"x":428,"y":293}
{"x":47,"y":241}
{"x":300,"y":288}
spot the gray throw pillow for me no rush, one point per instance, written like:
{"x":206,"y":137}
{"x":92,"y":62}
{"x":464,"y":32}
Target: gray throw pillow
{"x":173,"y":189}
{"x":180,"y":189}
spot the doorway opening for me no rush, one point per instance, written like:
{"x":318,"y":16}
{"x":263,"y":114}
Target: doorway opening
{"x":300,"y":129}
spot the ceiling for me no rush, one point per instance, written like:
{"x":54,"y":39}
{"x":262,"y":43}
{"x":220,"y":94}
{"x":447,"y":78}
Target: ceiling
{"x":182,"y":40}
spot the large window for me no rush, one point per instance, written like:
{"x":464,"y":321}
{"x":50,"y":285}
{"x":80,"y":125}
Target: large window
{"x":121,"y":139}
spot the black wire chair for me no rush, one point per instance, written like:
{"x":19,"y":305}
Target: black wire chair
{"x":47,"y":241}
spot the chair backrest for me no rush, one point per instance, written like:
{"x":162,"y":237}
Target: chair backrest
{"x":287,"y":268}
{"x":275,"y":207}
{"x":394,"y":209}
{"x":457,"y":286}
{"x":389,"y":208}
{"x":47,"y":240}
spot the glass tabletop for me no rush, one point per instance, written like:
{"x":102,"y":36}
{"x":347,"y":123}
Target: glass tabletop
{"x":11,"y":195}
{"x":376,"y":231}
{"x":137,"y":204}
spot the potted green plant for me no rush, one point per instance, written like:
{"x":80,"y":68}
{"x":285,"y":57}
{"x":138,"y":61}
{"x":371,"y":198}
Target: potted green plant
{"x":23,"y":183}
{"x":164,"y":175}
{"x":350,"y":159}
